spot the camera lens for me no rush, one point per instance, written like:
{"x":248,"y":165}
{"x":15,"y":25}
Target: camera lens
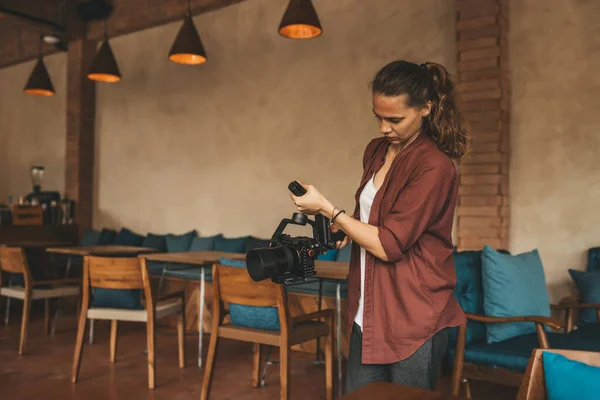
{"x":270,"y":262}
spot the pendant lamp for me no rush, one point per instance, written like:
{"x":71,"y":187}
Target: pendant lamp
{"x":187,"y":47}
{"x":104,"y":68}
{"x":39,"y":83}
{"x":300,"y":21}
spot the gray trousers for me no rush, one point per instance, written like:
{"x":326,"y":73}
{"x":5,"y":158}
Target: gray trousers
{"x":419,"y":370}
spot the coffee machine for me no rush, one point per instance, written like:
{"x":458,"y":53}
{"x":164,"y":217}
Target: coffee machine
{"x":55,"y":210}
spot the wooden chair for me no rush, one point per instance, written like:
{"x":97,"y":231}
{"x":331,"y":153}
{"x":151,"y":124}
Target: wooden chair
{"x":233,"y":285}
{"x":27,"y":215}
{"x":126,"y":273}
{"x":13,"y":260}
{"x":533,"y":386}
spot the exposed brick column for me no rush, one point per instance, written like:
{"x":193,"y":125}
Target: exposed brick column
{"x":81,"y":111}
{"x":484,"y":93}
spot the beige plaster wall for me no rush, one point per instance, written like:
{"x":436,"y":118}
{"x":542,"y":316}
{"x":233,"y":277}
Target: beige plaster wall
{"x":32,"y":129}
{"x":213,"y":147}
{"x":555,"y":167}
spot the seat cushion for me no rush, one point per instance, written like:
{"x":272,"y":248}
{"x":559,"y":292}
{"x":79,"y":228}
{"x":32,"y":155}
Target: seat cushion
{"x":204,"y":243}
{"x":589,"y":331}
{"x":330,"y":255}
{"x":180,"y":243}
{"x":588,"y":286}
{"x":158,"y":242}
{"x":266,"y":318}
{"x":126,"y":237}
{"x":569,"y":379}
{"x":231,"y":245}
{"x":513,"y":285}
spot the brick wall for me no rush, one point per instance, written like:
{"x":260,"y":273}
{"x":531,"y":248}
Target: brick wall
{"x":484,"y":93}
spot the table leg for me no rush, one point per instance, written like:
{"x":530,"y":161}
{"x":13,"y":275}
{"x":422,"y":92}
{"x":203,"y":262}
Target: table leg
{"x":201,"y":317}
{"x":338,"y":326}
{"x":58,"y":309}
{"x":320,"y":302}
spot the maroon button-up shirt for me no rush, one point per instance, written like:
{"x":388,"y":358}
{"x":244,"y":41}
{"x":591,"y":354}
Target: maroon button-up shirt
{"x":408,"y":298}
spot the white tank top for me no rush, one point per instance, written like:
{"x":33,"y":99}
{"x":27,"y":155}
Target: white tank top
{"x":366,"y":201}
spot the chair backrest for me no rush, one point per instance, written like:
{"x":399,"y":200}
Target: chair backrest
{"x":13,"y":260}
{"x":114,"y":272}
{"x":533,"y":385}
{"x":27,"y":215}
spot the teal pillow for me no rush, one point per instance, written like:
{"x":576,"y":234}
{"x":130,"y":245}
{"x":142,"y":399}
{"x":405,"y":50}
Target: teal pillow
{"x":126,"y":237}
{"x":90,"y":237}
{"x":570,"y":380}
{"x":266,"y":318}
{"x":153,"y":241}
{"x":330,"y":255}
{"x":256,"y":243}
{"x":106,"y":237}
{"x":513,"y":285}
{"x":588,"y":286}
{"x":231,"y":245}
{"x":344,"y":254}
{"x":129,"y":299}
{"x":179,"y":243}
{"x":204,"y":243}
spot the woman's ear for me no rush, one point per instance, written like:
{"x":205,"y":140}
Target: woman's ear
{"x":426,"y":109}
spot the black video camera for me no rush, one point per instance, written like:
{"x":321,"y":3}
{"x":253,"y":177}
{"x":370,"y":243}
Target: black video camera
{"x":292,"y":259}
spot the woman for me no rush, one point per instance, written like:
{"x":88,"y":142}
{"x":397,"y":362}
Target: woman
{"x":402,"y":269}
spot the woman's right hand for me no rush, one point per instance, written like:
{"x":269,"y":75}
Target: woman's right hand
{"x":340,"y":244}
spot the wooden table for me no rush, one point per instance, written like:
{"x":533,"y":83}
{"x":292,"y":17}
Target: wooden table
{"x":35,"y":244}
{"x":390,"y":391}
{"x":199,"y":258}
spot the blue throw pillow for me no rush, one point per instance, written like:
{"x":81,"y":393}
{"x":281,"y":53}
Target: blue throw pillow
{"x":266,"y":318}
{"x":90,"y":237}
{"x":231,"y":245}
{"x":179,"y":243}
{"x":344,"y":254}
{"x":256,"y":243}
{"x":588,"y":286}
{"x":153,"y":241}
{"x":593,"y":259}
{"x":129,"y":299}
{"x":126,"y":237}
{"x":513,"y":285}
{"x":330,"y":255}
{"x":569,"y":379}
{"x":106,"y":237}
{"x":205,"y":243}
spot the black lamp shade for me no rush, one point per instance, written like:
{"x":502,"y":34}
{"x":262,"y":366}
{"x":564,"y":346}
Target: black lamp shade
{"x":187,"y":47}
{"x":300,"y":21}
{"x":39,"y":83}
{"x":104,"y":67}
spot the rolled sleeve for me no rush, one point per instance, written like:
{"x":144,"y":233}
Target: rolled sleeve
{"x":417,"y":206}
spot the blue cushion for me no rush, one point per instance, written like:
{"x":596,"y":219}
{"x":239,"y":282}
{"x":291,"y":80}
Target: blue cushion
{"x":514,"y":354}
{"x":204,"y":243}
{"x":344,"y":254}
{"x":569,"y":379}
{"x":180,"y":243}
{"x":117,"y":298}
{"x":593,"y":259}
{"x":126,"y":237}
{"x":90,"y":237}
{"x":513,"y":285}
{"x":231,"y":245}
{"x":158,"y":242}
{"x":588,"y":286}
{"x":266,"y":318}
{"x":330,"y":255}
{"x":106,"y":237}
{"x":256,"y":243}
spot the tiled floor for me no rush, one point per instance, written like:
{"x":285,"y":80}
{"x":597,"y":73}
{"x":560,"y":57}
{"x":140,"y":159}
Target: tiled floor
{"x":44,"y":373}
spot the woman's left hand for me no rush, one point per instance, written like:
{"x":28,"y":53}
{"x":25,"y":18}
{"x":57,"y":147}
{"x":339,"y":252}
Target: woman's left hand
{"x":312,"y":202}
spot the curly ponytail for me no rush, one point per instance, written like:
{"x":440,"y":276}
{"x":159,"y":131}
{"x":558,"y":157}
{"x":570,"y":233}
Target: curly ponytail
{"x":423,"y":83}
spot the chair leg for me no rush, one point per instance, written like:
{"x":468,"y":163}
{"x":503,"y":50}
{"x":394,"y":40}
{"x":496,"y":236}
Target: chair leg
{"x":47,"y":316}
{"x":91,"y":332}
{"x":25,"y":323}
{"x":113,"y":340}
{"x":466,"y":388}
{"x":79,"y":345}
{"x":329,"y":363}
{"x":210,"y":363}
{"x":151,"y":361}
{"x":256,"y":365}
{"x":284,"y":367}
{"x":7,"y":315}
{"x":181,"y":337}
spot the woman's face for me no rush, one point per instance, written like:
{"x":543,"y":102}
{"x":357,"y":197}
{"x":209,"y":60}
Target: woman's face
{"x":398,"y":122}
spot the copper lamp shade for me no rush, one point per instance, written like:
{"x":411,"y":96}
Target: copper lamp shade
{"x":104,"y":67}
{"x":300,"y":21}
{"x":187,"y":47}
{"x":39,"y":83}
